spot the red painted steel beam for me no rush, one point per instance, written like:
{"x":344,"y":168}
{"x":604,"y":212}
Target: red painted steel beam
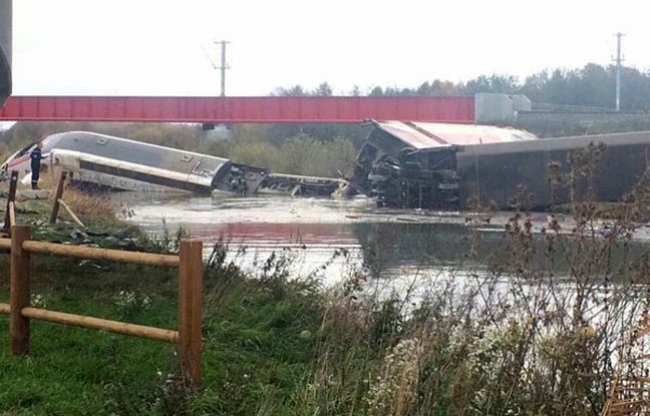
{"x":239,"y":109}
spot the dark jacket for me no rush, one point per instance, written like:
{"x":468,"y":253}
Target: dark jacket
{"x":36,"y":157}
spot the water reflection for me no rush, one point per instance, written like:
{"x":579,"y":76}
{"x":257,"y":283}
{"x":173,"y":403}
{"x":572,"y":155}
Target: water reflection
{"x":387,"y":244}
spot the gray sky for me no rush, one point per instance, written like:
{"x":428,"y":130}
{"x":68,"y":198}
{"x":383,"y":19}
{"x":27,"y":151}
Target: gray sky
{"x":155,"y":47}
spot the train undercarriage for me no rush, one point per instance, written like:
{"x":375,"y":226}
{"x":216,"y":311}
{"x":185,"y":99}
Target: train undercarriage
{"x":408,"y":184}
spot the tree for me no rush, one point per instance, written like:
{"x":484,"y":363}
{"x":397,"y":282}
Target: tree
{"x":295,"y":91}
{"x":494,"y":83}
{"x":376,"y":92}
{"x":590,"y":86}
{"x":323,"y":90}
{"x":635,"y":88}
{"x":439,"y":87}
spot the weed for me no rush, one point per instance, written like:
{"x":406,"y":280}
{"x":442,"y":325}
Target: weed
{"x":131,"y":303}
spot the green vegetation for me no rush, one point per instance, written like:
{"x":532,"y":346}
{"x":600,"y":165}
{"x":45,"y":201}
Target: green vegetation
{"x":512,"y":338}
{"x":258,"y":345}
{"x":300,"y":155}
{"x":589,"y":87}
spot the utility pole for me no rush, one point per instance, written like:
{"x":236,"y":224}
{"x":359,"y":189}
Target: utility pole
{"x":223,"y":66}
{"x":618,"y":61}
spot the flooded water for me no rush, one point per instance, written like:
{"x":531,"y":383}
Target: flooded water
{"x":402,"y":251}
{"x":328,"y":238}
{"x":313,"y":232}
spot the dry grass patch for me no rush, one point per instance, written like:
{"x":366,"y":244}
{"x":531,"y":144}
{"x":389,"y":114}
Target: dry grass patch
{"x":88,"y":207}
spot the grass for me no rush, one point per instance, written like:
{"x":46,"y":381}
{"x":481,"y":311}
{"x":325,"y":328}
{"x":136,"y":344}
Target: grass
{"x":70,"y":369}
{"x":253,"y":343}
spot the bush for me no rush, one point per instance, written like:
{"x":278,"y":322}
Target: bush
{"x":299,"y":155}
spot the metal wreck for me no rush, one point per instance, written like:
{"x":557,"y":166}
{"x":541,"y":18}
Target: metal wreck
{"x":102,"y":161}
{"x":401,"y":165}
{"x":460,"y":167}
{"x":416,"y":165}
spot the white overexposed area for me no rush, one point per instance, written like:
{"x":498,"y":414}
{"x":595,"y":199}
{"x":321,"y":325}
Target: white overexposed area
{"x":161,"y":47}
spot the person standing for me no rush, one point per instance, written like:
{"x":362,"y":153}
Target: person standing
{"x":36,"y":157}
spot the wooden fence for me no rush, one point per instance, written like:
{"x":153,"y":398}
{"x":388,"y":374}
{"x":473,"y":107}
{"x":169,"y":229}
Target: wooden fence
{"x":190,"y":286}
{"x":11,"y":198}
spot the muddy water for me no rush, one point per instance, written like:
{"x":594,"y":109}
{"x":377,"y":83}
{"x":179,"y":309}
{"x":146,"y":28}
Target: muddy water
{"x":327,"y":238}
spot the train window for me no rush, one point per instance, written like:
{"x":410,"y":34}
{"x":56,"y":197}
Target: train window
{"x":25,"y":149}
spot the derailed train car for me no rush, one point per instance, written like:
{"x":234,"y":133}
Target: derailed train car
{"x":100,"y":160}
{"x":415,"y":165}
{"x":554,"y":171}
{"x":442,"y":166}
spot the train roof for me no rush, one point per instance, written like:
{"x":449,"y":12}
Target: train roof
{"x":426,"y":135}
{"x":562,"y":143}
{"x":132,"y":151}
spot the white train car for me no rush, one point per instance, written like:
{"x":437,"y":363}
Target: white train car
{"x":103,"y":161}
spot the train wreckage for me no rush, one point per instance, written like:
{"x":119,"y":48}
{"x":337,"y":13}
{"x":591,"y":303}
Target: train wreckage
{"x":401,"y":165}
{"x":443,"y":166}
{"x":101,"y":161}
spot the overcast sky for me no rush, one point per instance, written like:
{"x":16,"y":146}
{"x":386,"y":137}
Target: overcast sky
{"x":156,"y":47}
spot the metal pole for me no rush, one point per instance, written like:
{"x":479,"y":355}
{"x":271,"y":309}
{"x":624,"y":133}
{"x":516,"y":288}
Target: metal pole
{"x":223,"y":66}
{"x":618,"y":70}
{"x":223,"y":69}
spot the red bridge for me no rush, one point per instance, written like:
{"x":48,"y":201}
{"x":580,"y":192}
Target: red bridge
{"x":239,"y":109}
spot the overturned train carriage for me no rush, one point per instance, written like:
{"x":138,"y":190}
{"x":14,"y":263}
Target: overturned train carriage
{"x":99,"y":160}
{"x":442,"y":166}
{"x":549,"y":172}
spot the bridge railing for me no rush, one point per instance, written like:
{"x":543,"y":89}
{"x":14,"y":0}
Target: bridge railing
{"x":240,"y":109}
{"x":190,"y":287}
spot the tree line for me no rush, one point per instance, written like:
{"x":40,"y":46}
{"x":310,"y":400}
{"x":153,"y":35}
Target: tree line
{"x":592,"y":86}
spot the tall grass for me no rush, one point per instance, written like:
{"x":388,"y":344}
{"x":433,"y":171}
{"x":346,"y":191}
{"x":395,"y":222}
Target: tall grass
{"x":517,"y":338}
{"x":89,"y":207}
{"x":300,"y":155}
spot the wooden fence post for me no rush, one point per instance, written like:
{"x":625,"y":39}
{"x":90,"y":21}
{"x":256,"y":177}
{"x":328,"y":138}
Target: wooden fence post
{"x":59,"y":193}
{"x":19,"y":291}
{"x":190,"y":310}
{"x":11,"y":197}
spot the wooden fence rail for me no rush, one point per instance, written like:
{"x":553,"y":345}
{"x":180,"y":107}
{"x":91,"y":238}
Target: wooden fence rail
{"x":101,"y":324}
{"x":190,"y":287}
{"x":92,"y":253}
